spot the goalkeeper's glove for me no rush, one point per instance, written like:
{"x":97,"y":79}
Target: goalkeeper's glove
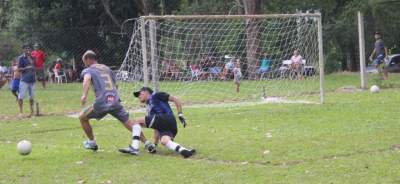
{"x":182,"y":119}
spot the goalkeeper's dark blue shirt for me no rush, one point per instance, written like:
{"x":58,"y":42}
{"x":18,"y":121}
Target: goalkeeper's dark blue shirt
{"x":158,"y":105}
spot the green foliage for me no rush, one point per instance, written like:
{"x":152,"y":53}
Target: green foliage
{"x":213,"y":7}
{"x":69,"y":28}
{"x":9,"y":48}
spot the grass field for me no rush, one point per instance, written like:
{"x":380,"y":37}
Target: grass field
{"x":346,"y":140}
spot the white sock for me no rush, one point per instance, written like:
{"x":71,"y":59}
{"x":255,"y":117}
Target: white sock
{"x":136,"y":129}
{"x":92,"y":141}
{"x":174,"y":146}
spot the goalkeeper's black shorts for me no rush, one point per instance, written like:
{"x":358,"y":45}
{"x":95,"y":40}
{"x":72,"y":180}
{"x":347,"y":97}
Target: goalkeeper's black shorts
{"x":163,"y":123}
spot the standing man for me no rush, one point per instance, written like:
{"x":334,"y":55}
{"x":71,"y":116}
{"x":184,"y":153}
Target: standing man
{"x":27,"y":83}
{"x":40,"y":58}
{"x":107,"y":102}
{"x":380,"y":51}
{"x":161,"y":118}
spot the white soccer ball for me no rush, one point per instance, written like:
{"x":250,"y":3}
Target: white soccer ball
{"x":24,"y":147}
{"x":374,"y":89}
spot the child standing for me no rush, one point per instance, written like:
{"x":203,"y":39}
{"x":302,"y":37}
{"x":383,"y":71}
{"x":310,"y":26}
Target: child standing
{"x":16,"y":79}
{"x":237,"y":74}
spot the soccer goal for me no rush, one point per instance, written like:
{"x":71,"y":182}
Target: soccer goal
{"x":194,"y":57}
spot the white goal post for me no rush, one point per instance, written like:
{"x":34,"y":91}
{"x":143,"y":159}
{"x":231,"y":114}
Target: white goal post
{"x":197,"y":55}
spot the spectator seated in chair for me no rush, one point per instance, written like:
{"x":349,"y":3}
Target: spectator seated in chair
{"x":214,"y":69}
{"x":228,"y":68}
{"x":265,"y":63}
{"x":297,"y":63}
{"x":195,"y":71}
{"x":59,"y":75}
{"x":170,"y":70}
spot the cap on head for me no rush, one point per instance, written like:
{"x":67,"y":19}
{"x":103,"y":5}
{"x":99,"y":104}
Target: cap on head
{"x":59,"y":59}
{"x":36,"y":45}
{"x":89,"y":54}
{"x":377,"y":33}
{"x":137,"y":93}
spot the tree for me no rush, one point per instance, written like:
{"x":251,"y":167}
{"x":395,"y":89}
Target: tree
{"x":68,"y":28}
{"x":252,"y":7}
{"x":4,"y":10}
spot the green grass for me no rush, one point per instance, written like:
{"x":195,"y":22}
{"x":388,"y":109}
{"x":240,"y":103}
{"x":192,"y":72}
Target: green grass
{"x":345,"y":140}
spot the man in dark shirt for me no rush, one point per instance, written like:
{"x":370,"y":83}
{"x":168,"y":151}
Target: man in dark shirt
{"x":161,"y":118}
{"x":380,"y":51}
{"x":27,"y":84}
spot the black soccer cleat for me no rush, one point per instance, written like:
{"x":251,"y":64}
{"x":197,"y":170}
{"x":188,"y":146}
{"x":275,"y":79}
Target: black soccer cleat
{"x":187,"y":153}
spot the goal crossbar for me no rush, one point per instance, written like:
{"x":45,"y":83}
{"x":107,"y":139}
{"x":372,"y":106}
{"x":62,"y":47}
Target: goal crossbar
{"x":182,"y":17}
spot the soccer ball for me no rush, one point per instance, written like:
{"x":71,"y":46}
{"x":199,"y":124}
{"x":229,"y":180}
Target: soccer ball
{"x":24,"y":147}
{"x":374,"y":89}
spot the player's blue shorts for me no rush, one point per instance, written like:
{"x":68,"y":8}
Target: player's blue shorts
{"x":165,"y":124}
{"x":117,"y":110}
{"x":379,"y":59}
{"x":15,"y":85}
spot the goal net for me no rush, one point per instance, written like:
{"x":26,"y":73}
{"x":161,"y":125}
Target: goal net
{"x":198,"y":58}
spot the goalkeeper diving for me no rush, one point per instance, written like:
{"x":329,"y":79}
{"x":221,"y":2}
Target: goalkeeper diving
{"x":161,"y":118}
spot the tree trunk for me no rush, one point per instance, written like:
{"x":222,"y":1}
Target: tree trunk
{"x":252,"y":7}
{"x":351,"y":58}
{"x":348,"y":62}
{"x":355,"y":64}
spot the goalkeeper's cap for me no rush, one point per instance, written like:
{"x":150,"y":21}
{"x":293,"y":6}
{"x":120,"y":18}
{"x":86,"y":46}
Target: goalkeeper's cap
{"x":137,"y":93}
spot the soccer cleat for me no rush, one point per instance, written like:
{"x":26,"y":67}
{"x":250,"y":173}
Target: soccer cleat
{"x":129,"y":150}
{"x":91,"y":146}
{"x":187,"y":153}
{"x":151,"y":148}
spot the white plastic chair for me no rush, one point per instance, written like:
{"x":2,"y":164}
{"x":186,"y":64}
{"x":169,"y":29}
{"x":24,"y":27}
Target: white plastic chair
{"x":60,"y":76}
{"x":284,"y":68}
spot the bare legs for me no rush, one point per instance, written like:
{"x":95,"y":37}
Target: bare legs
{"x":87,"y":128}
{"x":21,"y":104}
{"x":31,"y":103}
